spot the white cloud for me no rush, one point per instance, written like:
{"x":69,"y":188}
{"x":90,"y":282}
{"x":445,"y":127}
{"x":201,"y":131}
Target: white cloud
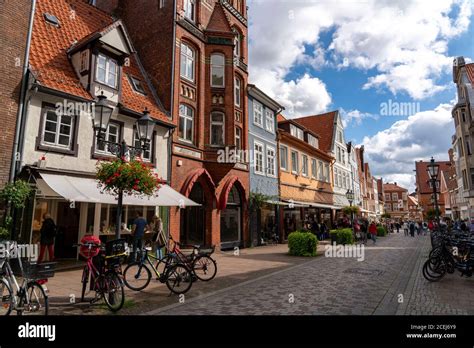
{"x":391,"y":153}
{"x":355,"y":117}
{"x":401,"y":44}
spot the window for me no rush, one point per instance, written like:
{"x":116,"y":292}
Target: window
{"x":237,"y":91}
{"x":335,"y":177}
{"x":304,"y":168}
{"x":294,"y":162}
{"x":270,"y":161}
{"x":238,"y":138}
{"x":269,"y":121}
{"x":313,"y":141}
{"x":112,"y":135}
{"x":51,"y":19}
{"x":394,"y":196}
{"x":137,"y":85}
{"x":339,"y":158}
{"x":186,"y":123}
{"x":107,"y":71}
{"x":463,"y":115}
{"x":217,"y":70}
{"x":339,"y":136}
{"x":296,"y":132}
{"x":162,"y":3}
{"x":387,"y":197}
{"x":146,"y":155}
{"x":187,"y":62}
{"x":388,"y":207}
{"x":57,"y":129}
{"x":321,"y":174}
{"x":461,"y":149}
{"x":344,"y":180}
{"x":257,"y":114}
{"x":237,"y":43}
{"x":258,"y":159}
{"x":284,"y":157}
{"x":326,"y":172}
{"x":314,"y":170}
{"x":395,"y":206}
{"x":190,"y":9}
{"x":468,"y":146}
{"x":464,"y":179}
{"x":343,"y":156}
{"x":217,"y":128}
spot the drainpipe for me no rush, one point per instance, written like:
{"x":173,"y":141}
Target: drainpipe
{"x":24,"y":84}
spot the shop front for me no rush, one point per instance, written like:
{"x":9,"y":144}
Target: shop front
{"x":78,"y":208}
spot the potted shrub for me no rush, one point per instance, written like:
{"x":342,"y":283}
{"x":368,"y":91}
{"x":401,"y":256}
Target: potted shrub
{"x":302,"y":243}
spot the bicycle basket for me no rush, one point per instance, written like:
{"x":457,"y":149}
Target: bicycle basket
{"x":89,"y":252}
{"x":116,"y":247}
{"x":33,"y":270}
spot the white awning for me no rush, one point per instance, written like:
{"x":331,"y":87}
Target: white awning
{"x":80,"y":189}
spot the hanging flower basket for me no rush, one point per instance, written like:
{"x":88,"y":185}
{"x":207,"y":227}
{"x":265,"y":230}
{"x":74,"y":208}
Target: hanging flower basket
{"x":133,"y":177}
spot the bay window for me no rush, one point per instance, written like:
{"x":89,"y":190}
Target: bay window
{"x":186,"y":123}
{"x":217,"y":128}
{"x":237,"y":92}
{"x":187,"y":62}
{"x":190,"y":10}
{"x":107,"y":71}
{"x":217,"y":70}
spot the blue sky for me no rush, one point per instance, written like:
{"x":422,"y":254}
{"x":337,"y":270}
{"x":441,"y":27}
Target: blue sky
{"x":314,"y":57}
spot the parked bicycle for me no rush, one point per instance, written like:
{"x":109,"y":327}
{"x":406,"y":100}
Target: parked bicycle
{"x":103,"y":271}
{"x":27,"y":297}
{"x":177,"y":276}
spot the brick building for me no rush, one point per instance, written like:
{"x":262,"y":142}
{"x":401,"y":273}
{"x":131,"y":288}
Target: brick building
{"x":14,"y":19}
{"x":196,"y":54}
{"x":396,"y":201}
{"x":381,"y":196}
{"x":424,"y":188}
{"x":414,"y":211}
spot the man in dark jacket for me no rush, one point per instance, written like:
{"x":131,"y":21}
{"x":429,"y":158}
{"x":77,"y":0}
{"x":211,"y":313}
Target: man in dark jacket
{"x":47,"y":233}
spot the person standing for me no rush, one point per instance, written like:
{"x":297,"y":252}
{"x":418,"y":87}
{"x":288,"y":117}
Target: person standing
{"x":47,"y":235}
{"x":373,"y":232}
{"x":405,"y":228}
{"x":138,"y":231}
{"x":412,"y":229}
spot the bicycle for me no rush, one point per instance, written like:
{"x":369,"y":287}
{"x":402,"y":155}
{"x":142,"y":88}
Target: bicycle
{"x":105,"y":278}
{"x":29,"y":297}
{"x":177,"y":276}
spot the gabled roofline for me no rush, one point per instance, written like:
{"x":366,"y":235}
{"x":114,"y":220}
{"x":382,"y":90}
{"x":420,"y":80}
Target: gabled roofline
{"x":257,"y":93}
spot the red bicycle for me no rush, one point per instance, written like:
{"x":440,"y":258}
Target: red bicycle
{"x":104,"y":273}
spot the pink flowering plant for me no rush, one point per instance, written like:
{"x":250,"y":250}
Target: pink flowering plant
{"x":133,"y":177}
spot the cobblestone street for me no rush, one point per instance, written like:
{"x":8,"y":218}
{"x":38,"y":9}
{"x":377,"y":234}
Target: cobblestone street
{"x":391,"y":272}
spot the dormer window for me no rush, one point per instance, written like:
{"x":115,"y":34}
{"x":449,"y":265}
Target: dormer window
{"x":313,"y":141}
{"x":136,"y":85}
{"x":190,"y":10}
{"x":296,"y":132}
{"x":107,"y":71}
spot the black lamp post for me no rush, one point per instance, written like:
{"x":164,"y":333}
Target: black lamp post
{"x":145,"y":125}
{"x":433,"y":170}
{"x":350,"y":198}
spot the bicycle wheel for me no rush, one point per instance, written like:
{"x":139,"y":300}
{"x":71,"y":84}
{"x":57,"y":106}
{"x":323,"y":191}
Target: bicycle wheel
{"x":84,"y":281}
{"x":179,"y":279}
{"x":113,"y":292}
{"x":137,"y":276}
{"x":163,"y":264}
{"x":34,"y":301}
{"x":6,"y":298}
{"x":204,"y":268}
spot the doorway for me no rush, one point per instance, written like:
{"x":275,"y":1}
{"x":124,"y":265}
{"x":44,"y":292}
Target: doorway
{"x":193,"y":219}
{"x":231,"y":221}
{"x":67,"y":231}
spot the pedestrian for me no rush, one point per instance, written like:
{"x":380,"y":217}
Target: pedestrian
{"x":373,"y":232}
{"x":425,"y":228}
{"x":47,"y":235}
{"x":398,"y":227}
{"x":412,"y":229}
{"x":405,"y":228}
{"x":357,"y":231}
{"x":159,"y":237}
{"x":138,"y":231}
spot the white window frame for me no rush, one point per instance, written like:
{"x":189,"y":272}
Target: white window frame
{"x":321,"y":171}
{"x":137,"y":143}
{"x":285,"y":148}
{"x":189,"y":7}
{"x":304,"y":165}
{"x":269,"y":121}
{"x":215,"y":66}
{"x":106,"y":136}
{"x":388,"y":197}
{"x":237,"y":43}
{"x":219,"y":124}
{"x":187,"y":55}
{"x":296,"y":132}
{"x":335,"y":171}
{"x":257,"y":111}
{"x":259,"y":153}
{"x":57,"y":131}
{"x":293,"y":162}
{"x":187,"y":118}
{"x":314,"y":168}
{"x":107,"y":70}
{"x":237,"y":91}
{"x":394,"y":196}
{"x":326,"y":174}
{"x":271,"y":161}
{"x":313,"y":141}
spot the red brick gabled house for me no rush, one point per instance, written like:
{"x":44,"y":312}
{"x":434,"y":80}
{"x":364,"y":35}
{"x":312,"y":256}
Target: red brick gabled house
{"x":196,"y":54}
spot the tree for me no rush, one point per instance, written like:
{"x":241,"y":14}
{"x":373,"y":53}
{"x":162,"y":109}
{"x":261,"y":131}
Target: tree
{"x":13,"y":196}
{"x":431,"y":214}
{"x":349,"y":210}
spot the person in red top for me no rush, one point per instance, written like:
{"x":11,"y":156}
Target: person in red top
{"x":373,"y":231}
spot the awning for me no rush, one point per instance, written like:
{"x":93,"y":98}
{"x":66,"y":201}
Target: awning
{"x":340,"y":201}
{"x":79,"y":189}
{"x":295,"y":204}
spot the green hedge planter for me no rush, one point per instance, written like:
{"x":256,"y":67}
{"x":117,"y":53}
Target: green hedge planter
{"x":302,"y":243}
{"x":381,"y":231}
{"x":342,"y":236}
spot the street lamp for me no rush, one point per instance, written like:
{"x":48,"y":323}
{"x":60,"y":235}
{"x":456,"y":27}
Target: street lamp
{"x":350,"y":198}
{"x":145,"y":125}
{"x":433,"y":171}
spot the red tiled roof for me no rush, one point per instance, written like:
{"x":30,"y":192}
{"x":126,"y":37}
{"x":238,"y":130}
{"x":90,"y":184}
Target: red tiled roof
{"x":323,"y":125}
{"x":470,"y":71}
{"x":413,"y":200}
{"x":281,"y":118}
{"x":49,"y":59}
{"x":422,"y":176}
{"x":219,"y":21}
{"x":393,"y":187}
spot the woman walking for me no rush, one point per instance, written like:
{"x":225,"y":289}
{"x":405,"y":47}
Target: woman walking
{"x":373,"y":232}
